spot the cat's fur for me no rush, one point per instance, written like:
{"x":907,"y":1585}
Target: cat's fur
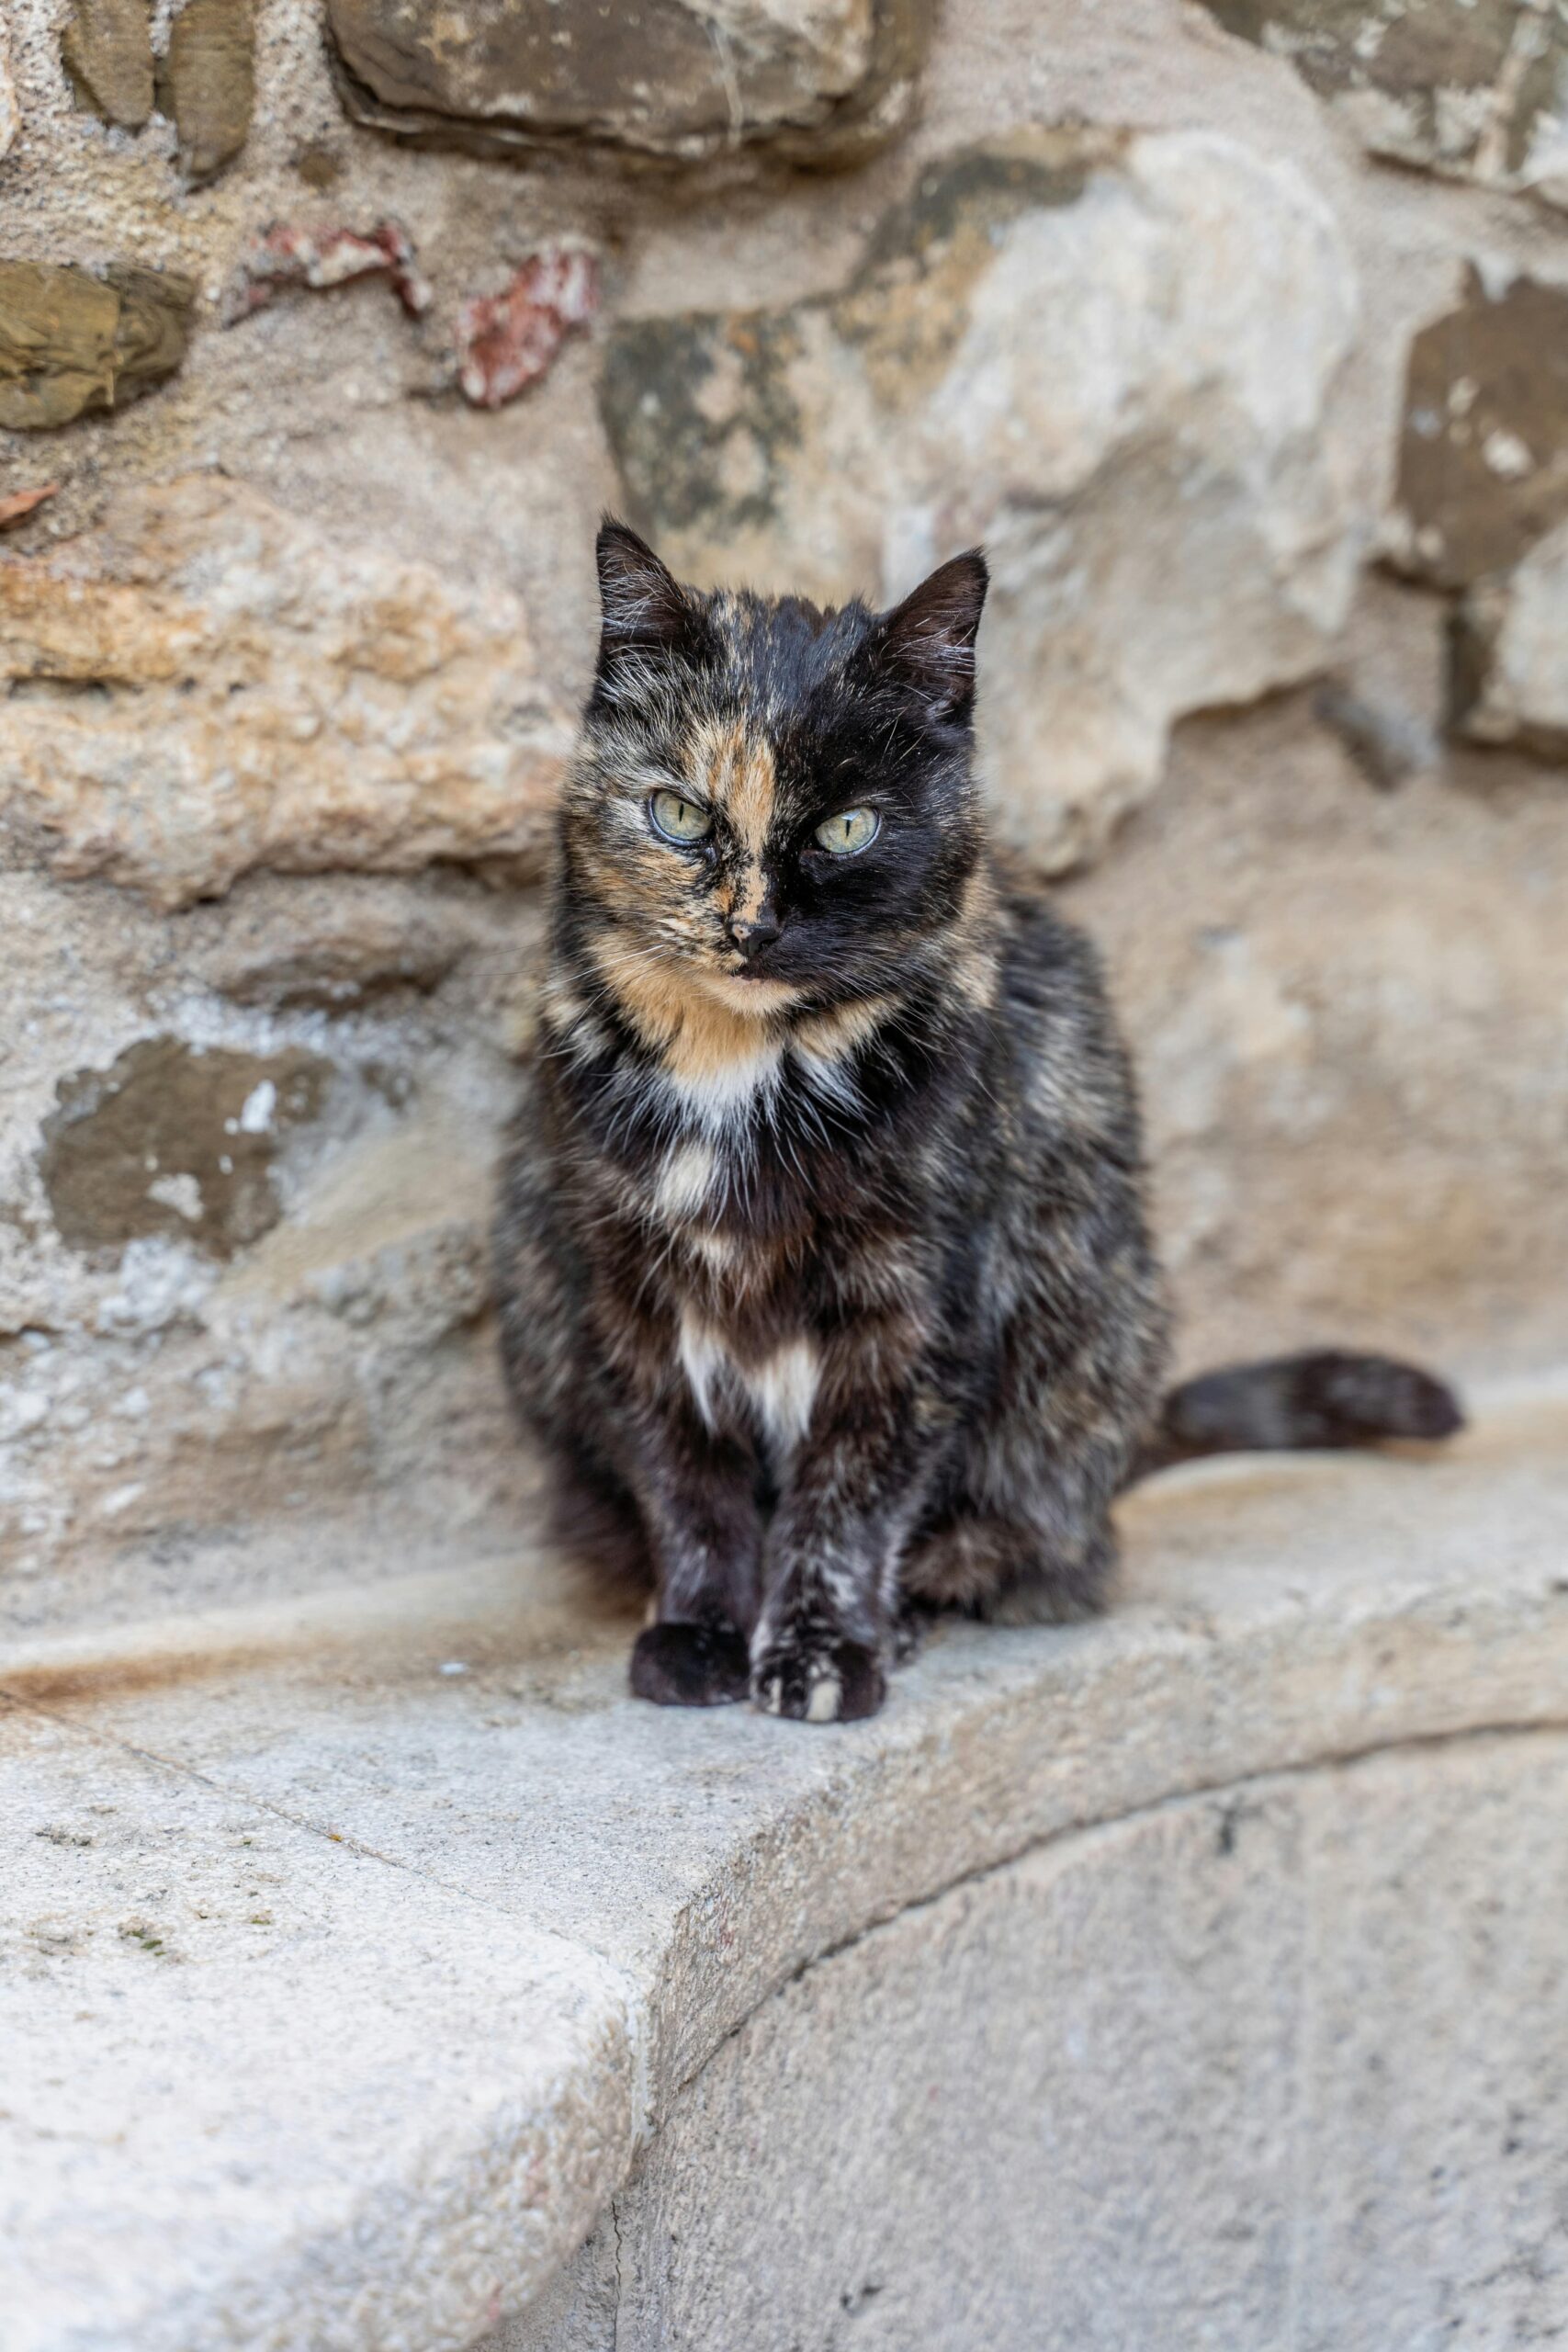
{"x":824,"y":1272}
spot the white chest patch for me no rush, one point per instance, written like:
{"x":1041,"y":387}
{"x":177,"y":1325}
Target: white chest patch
{"x":721,"y":1096}
{"x":685,"y":1178}
{"x":780,"y":1391}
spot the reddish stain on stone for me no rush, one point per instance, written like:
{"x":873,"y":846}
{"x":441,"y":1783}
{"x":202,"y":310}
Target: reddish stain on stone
{"x":506,"y":341}
{"x":288,"y":254}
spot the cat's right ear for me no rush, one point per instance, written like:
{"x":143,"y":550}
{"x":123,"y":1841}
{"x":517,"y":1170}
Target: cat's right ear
{"x":646,"y":610}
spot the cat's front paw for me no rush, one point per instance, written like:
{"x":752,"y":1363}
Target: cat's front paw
{"x":690,"y":1666}
{"x":819,"y":1681}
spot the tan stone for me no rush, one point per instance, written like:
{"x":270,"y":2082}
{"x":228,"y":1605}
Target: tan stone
{"x":107,"y":49}
{"x":207,"y":82}
{"x":72,"y":342}
{"x":265,"y":696}
{"x":1067,"y":346}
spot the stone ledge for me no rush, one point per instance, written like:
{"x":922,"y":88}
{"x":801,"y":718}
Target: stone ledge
{"x":345,"y":1987}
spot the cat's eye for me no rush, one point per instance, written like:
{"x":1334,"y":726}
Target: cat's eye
{"x":679,"y":820}
{"x":850,"y":830}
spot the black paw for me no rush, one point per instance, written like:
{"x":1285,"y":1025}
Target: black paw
{"x":690,"y":1666}
{"x":818,"y":1682}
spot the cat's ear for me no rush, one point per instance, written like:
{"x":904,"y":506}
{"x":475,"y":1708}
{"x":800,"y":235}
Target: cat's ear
{"x":645,"y":608}
{"x":928,"y":641}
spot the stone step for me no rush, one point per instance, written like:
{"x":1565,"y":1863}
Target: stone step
{"x":1194,"y":1975}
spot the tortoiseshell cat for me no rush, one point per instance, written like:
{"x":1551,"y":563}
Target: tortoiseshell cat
{"x":823,"y":1265}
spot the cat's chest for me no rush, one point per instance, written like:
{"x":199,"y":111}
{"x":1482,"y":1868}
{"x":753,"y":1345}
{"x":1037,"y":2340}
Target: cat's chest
{"x":737,"y":1379}
{"x":748,"y":1252}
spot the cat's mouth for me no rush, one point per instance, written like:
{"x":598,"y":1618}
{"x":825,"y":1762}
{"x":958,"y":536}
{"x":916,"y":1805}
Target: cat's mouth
{"x":744,"y":990}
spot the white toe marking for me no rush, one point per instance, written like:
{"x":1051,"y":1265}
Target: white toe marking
{"x":822,"y":1707}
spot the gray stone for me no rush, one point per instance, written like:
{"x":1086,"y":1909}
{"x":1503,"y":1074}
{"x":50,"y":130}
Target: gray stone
{"x":1233,"y":2083}
{"x":175,"y":1139}
{"x":1066,"y":345}
{"x":72,"y":342}
{"x":135,"y":1894}
{"x":1483,"y":448}
{"x":340,"y":951}
{"x":1475,"y":88}
{"x":823,"y":81}
{"x":1388,"y":745}
{"x":107,"y":49}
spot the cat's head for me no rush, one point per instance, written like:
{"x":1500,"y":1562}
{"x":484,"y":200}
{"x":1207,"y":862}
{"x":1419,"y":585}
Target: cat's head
{"x":772,"y":804}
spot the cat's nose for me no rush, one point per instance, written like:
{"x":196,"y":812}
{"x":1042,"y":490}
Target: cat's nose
{"x":757,"y":932}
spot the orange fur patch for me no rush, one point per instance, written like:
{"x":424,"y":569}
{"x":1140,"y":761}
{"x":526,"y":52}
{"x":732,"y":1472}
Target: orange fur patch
{"x":733,"y":765}
{"x":697,"y":1036}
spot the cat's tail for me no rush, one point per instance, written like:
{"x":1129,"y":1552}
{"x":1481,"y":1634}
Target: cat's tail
{"x":1328,"y":1398}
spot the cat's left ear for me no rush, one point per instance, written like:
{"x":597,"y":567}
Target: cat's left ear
{"x":928,"y":641}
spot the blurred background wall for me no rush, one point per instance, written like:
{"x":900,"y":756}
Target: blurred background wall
{"x":1237,"y":331}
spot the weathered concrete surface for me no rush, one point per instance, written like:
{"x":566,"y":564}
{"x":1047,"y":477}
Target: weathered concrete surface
{"x":1144,"y":1839}
{"x":169,"y":1367}
{"x":820,"y":81}
{"x":299,"y":704}
{"x":1067,"y":346}
{"x":1281,"y":2068}
{"x":315,"y":2004}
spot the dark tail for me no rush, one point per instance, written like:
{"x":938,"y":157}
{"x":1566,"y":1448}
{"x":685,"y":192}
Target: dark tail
{"x":1328,"y":1397}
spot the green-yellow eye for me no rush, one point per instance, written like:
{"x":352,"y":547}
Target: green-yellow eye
{"x":678,"y":820}
{"x":850,"y":830}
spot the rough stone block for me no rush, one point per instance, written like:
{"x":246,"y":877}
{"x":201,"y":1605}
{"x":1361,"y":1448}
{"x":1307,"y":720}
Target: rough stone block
{"x":1475,"y":88}
{"x":207,"y":81}
{"x":1483,"y":450}
{"x":1115,"y":361}
{"x":107,"y":49}
{"x":823,"y":81}
{"x":264,"y":696}
{"x":1509,"y":669}
{"x":72,"y":342}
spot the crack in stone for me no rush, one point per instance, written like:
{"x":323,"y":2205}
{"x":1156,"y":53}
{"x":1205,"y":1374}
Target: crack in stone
{"x":1087,"y":1825}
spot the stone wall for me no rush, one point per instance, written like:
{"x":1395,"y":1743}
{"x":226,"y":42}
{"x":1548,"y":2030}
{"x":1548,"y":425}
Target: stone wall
{"x":1238,"y":332}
